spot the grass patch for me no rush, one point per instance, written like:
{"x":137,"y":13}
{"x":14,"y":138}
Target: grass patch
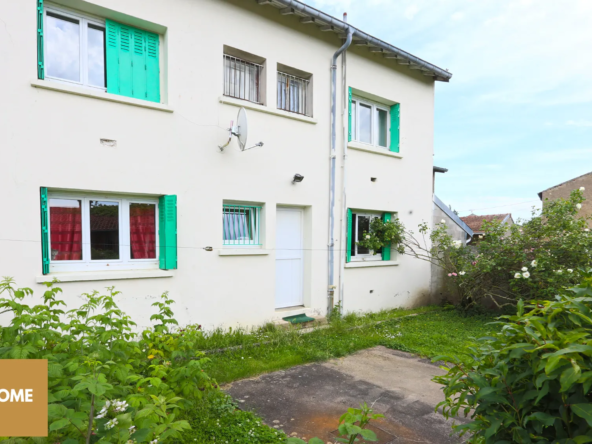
{"x":436,"y":332}
{"x":246,"y":354}
{"x":219,"y":420}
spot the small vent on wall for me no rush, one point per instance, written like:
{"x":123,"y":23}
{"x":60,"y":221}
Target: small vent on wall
{"x":109,"y":142}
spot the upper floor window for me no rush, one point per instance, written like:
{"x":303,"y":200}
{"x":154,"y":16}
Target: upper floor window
{"x":370,"y":122}
{"x":292,"y":94}
{"x":242,"y":79}
{"x":74,"y":48}
{"x":98,"y":53}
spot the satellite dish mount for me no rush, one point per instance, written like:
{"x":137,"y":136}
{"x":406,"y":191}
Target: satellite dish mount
{"x":240,"y":131}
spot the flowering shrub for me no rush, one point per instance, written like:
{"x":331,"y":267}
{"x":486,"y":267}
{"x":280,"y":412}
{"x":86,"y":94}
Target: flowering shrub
{"x":384,"y":233}
{"x":529,"y":383}
{"x":105,"y":384}
{"x":532,"y":260}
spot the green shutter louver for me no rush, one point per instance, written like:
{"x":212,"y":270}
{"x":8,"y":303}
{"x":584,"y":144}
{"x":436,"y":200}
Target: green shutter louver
{"x":348,"y":245}
{"x":132,"y":58}
{"x":386,"y":249}
{"x":40,"y":58}
{"x":395,"y":127}
{"x":44,"y":231}
{"x":349,"y":115}
{"x":167,"y":233}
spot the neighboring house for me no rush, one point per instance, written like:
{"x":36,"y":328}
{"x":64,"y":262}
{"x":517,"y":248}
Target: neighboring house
{"x":459,"y":231}
{"x":563,"y":190}
{"x":475,"y":223}
{"x":111,"y":122}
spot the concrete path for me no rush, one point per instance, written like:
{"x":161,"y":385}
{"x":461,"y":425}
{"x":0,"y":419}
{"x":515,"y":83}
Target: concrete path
{"x":307,"y":400}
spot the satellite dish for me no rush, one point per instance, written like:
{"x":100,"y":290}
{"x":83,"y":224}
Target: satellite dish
{"x":241,"y":131}
{"x":242,"y":128}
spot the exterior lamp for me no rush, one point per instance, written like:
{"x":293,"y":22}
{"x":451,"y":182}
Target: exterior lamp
{"x":297,"y":178}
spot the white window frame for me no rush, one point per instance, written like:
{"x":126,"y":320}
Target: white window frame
{"x":125,"y":262}
{"x":84,"y":20}
{"x":373,"y":122}
{"x":365,"y":257}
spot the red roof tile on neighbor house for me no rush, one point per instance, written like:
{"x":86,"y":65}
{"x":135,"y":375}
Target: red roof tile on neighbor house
{"x":475,"y":221}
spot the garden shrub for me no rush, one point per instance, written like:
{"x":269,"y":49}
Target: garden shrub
{"x":532,"y":259}
{"x":106,"y":384}
{"x":529,"y":383}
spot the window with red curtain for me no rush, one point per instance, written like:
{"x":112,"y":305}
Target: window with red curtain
{"x":65,"y":226}
{"x":142,"y":230}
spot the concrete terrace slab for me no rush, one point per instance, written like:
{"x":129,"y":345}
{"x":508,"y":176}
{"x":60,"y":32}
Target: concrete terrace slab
{"x":307,"y":400}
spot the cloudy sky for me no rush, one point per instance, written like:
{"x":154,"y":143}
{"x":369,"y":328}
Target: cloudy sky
{"x":516,"y":118}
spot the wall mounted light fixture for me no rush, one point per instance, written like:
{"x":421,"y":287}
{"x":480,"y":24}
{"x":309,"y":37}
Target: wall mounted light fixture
{"x":297,"y":178}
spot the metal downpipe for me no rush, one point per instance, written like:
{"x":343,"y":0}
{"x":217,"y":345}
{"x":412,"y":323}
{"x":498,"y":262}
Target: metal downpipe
{"x":331,"y":262}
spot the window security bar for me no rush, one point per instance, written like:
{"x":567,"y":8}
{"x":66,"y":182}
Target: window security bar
{"x":242,"y":79}
{"x":241,"y":224}
{"x":292,"y":93}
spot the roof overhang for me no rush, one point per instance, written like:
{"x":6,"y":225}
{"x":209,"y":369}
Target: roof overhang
{"x":453,"y":216}
{"x":328,"y":23}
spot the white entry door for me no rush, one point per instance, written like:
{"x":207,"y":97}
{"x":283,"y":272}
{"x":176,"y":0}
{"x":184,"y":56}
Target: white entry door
{"x":289,"y":258}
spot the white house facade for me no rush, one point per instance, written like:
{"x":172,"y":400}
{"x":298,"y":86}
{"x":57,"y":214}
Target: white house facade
{"x":112,"y":119}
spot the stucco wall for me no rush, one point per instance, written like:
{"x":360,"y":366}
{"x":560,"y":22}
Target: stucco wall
{"x":51,"y":139}
{"x":440,"y":290}
{"x":563,"y":191}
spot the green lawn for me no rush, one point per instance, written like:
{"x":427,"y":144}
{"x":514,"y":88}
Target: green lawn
{"x":237,"y":354}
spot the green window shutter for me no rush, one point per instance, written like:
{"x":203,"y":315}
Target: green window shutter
{"x":132,"y":62}
{"x":40,"y":58}
{"x":44,"y":231}
{"x":349,"y":236}
{"x":395,"y":127}
{"x":167,"y":208}
{"x":349,"y":115}
{"x":386,"y":249}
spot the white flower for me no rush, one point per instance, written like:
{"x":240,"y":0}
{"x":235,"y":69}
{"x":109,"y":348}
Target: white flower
{"x":558,"y":271}
{"x":526,"y":275}
{"x":517,"y":276}
{"x":582,"y":188}
{"x":480,"y":236}
{"x":155,"y":441}
{"x":579,"y":206}
{"x":110,"y":424}
{"x":524,"y":269}
{"x":132,"y":428}
{"x":457,"y":244}
{"x":367,"y":236}
{"x":533,"y":263}
{"x":569,"y":270}
{"x":462,"y":273}
{"x":442,"y":221}
{"x":586,"y":229}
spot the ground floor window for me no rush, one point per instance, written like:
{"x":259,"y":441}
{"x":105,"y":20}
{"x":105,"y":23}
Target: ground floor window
{"x":101,"y":232}
{"x":241,"y":224}
{"x":361,"y":225}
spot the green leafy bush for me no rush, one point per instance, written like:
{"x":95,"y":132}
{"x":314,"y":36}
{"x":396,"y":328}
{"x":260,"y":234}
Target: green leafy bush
{"x":106,"y":384}
{"x":383,"y":233}
{"x":529,"y":383}
{"x":534,"y":259}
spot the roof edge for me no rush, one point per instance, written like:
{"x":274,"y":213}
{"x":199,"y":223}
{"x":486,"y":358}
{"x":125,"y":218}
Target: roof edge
{"x":453,"y":216}
{"x":333,"y":24}
{"x":562,"y":183}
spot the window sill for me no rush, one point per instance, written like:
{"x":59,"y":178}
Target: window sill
{"x":266,"y":109}
{"x":372,"y":149}
{"x":87,"y":92}
{"x":104,"y":275}
{"x":371,"y":264}
{"x":242,"y":252}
